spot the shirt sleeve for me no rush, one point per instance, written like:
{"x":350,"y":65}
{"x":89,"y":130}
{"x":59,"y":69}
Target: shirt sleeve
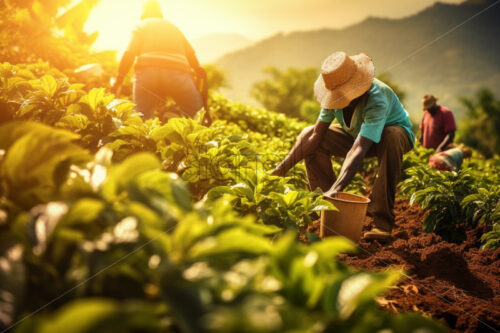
{"x":135,"y":43}
{"x":191,"y":55}
{"x":376,"y":111}
{"x":326,"y":116}
{"x":449,"y":122}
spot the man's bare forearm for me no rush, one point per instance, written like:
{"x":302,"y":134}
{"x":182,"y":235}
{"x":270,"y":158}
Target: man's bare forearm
{"x":125,"y":64}
{"x":446,"y":141}
{"x":351,"y":165}
{"x":307,"y":143}
{"x":305,"y":146}
{"x":349,"y":168}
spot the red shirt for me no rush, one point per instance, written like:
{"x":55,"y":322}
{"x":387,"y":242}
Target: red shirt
{"x":434,"y":127}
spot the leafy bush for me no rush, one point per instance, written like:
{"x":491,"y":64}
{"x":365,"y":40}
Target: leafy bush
{"x":441,"y":194}
{"x":480,"y":128}
{"x":455,"y":201}
{"x":273,"y":199}
{"x":122,"y":246}
{"x":248,"y":118}
{"x":286,"y":91}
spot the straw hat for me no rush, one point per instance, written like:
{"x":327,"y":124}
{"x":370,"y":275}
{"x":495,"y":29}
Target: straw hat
{"x":342,"y":79}
{"x":428,"y":101}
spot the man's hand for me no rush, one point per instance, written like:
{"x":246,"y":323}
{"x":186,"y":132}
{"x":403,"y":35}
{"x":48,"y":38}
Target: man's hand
{"x":351,"y":164}
{"x":126,"y":63}
{"x":201,"y":72}
{"x":446,"y":141}
{"x":307,"y":143}
{"x":278,"y":171}
{"x":116,"y":89}
{"x":331,"y":193}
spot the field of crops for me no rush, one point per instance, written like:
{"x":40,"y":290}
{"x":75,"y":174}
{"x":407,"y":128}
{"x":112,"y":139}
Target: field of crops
{"x":109,"y":223}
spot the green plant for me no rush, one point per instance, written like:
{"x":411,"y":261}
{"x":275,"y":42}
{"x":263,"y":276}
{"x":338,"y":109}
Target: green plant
{"x":440,"y":193}
{"x":491,"y":240}
{"x":483,"y":207}
{"x":258,"y":120}
{"x":128,"y":249}
{"x":286,"y":91}
{"x":480,"y":128}
{"x":273,"y":199}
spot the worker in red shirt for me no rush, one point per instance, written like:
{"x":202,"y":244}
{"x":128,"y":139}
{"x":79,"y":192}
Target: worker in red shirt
{"x":437,"y":128}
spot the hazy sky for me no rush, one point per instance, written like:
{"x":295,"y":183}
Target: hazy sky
{"x":255,"y":19}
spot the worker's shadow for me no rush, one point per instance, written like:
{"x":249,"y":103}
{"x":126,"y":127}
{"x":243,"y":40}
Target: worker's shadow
{"x":448,"y":265}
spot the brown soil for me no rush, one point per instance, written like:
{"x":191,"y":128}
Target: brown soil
{"x":456,"y":284}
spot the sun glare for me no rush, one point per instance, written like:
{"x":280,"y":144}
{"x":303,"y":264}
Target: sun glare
{"x":115,"y":19}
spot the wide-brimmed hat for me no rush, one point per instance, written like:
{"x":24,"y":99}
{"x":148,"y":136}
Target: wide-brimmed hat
{"x":343,"y":78}
{"x":428,"y":101}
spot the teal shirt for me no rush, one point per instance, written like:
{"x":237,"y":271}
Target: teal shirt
{"x":377,"y":110}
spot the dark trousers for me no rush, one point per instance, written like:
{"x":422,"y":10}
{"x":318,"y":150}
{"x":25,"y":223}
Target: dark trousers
{"x":153,"y":85}
{"x":389,"y":151}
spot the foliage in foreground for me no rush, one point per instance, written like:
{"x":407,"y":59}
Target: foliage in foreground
{"x":122,"y":246}
{"x":223,"y":155}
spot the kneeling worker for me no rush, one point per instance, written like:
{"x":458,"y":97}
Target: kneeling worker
{"x":451,"y":159}
{"x":373,"y":122}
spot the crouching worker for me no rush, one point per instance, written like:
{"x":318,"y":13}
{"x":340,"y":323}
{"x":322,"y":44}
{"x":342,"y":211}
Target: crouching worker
{"x":451,"y":159}
{"x":372,"y":122}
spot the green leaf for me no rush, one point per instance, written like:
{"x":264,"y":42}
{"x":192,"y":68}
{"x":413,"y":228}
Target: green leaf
{"x":231,"y":241}
{"x":217,"y":192}
{"x":191,"y":175}
{"x":290,"y":197}
{"x":243,"y":190}
{"x":122,"y":174}
{"x":73,"y":122}
{"x":168,"y":185}
{"x":95,"y":97}
{"x":33,"y":161}
{"x":329,"y":248}
{"x":83,"y":211}
{"x":48,"y":84}
{"x":102,"y":315}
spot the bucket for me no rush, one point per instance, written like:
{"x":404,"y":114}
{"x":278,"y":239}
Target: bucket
{"x":348,"y":221}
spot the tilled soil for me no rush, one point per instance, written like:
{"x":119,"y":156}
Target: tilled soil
{"x":456,"y":284}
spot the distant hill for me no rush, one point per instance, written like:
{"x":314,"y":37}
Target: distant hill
{"x":457,"y":64}
{"x":210,"y":47}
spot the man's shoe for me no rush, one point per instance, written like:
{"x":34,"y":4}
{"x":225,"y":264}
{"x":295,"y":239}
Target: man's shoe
{"x":377,"y":234}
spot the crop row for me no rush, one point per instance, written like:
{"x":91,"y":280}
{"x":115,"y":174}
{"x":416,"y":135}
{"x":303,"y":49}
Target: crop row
{"x":456,"y":201}
{"x":109,"y":223}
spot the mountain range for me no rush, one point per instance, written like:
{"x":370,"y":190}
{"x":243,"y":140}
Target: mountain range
{"x":448,"y":50}
{"x":225,"y":43}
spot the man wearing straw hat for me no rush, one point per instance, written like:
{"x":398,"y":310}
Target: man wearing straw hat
{"x":371,"y":122}
{"x":166,"y":65}
{"x":437,"y":128}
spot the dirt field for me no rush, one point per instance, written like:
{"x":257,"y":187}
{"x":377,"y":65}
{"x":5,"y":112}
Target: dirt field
{"x":457,"y":284}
